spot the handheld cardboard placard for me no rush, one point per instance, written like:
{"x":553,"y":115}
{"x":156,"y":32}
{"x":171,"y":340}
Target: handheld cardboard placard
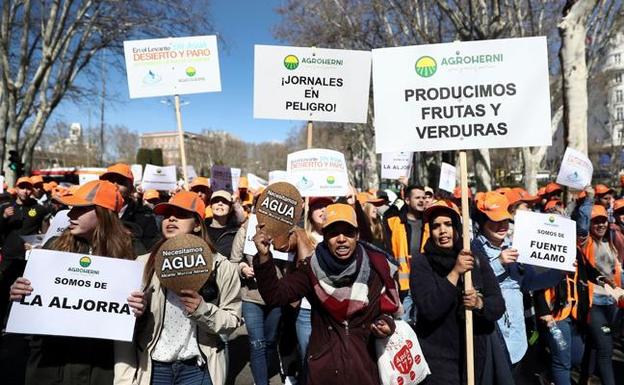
{"x":184,"y":263}
{"x":279,"y":208}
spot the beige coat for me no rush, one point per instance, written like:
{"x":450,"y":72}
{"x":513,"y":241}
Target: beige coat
{"x":133,"y":364}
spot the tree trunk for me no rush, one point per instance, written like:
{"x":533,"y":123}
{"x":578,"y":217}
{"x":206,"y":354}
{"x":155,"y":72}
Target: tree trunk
{"x":483,"y":169}
{"x":573,"y":31}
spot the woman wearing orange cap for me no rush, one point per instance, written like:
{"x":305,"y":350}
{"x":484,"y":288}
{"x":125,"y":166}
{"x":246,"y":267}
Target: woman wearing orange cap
{"x":493,"y":243}
{"x":601,"y":254}
{"x":436,"y":286}
{"x":178,"y":342}
{"x":94,"y":229}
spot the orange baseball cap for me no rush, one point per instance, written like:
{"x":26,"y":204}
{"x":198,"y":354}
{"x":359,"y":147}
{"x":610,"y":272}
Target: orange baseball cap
{"x":47,"y":187}
{"x":602,"y":189}
{"x":599,"y":211}
{"x":243,"y":182}
{"x":551,"y":204}
{"x":151,"y":194}
{"x":494,"y":206}
{"x":622,"y":180}
{"x":36,"y":179}
{"x":222,"y":194}
{"x":525,"y":196}
{"x":553,"y":187}
{"x":441,"y":205}
{"x":185,"y":200}
{"x":200,"y":181}
{"x":119,"y":169}
{"x":618,"y":204}
{"x":95,"y":193}
{"x":541,"y":191}
{"x":23,"y":180}
{"x":340,"y":212}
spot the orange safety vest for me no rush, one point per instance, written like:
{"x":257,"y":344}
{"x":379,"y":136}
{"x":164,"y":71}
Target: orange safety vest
{"x":591,"y":258}
{"x":400,"y":250}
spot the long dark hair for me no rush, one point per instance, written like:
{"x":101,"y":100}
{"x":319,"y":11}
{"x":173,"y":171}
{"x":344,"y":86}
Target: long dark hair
{"x":110,"y":238}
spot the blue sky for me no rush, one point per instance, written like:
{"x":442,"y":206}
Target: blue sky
{"x":241,"y":24}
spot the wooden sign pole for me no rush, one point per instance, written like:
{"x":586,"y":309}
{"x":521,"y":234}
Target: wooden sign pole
{"x":306,"y":207}
{"x":181,"y":140}
{"x":468,"y":275}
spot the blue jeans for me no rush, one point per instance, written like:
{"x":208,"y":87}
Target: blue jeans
{"x":562,"y":360}
{"x":179,"y":373}
{"x":408,"y":308}
{"x":303,"y":326}
{"x":262,"y":324}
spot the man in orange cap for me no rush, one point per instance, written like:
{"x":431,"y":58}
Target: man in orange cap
{"x":39,"y":193}
{"x":605,"y":197}
{"x":134,"y":215}
{"x":617,"y":228}
{"x":20,"y":217}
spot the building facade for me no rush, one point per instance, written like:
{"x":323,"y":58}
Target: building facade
{"x":197,"y":149}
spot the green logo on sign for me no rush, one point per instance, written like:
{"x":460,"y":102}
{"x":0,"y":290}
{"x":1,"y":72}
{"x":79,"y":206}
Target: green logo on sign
{"x":331,"y":180}
{"x":551,"y":219}
{"x":426,"y":66}
{"x":85,"y":261}
{"x":291,"y":62}
{"x":190,"y":71}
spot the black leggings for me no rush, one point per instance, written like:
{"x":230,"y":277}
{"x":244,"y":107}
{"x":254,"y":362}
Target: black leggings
{"x":600,"y":338}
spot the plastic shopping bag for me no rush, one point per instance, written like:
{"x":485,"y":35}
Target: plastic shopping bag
{"x":399,"y":357}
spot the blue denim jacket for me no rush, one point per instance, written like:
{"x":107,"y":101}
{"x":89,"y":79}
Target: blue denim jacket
{"x":512,"y":279}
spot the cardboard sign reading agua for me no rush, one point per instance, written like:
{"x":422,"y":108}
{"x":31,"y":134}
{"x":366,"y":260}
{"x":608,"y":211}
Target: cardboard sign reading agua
{"x":318,"y":172}
{"x":462,"y":95}
{"x":306,"y":83}
{"x":395,"y":165}
{"x":576,"y":170}
{"x":279,"y":207}
{"x":184,"y":263}
{"x":183,"y":65}
{"x":77,"y":295}
{"x":546,"y":240}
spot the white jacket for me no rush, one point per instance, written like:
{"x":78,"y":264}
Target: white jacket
{"x":133,"y":364}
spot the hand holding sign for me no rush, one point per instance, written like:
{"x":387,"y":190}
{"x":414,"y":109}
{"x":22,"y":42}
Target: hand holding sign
{"x":279,"y":208}
{"x":184,"y":263}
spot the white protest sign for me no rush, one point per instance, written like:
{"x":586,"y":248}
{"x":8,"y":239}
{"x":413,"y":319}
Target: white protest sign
{"x":250,"y":246}
{"x":448,"y":177}
{"x":86,"y":178}
{"x":255,"y":182}
{"x":77,"y":295}
{"x":576,"y":170}
{"x":318,"y":172}
{"x":1,"y":184}
{"x":546,"y":240}
{"x":462,"y":95}
{"x":172,"y":66}
{"x":58,"y":224}
{"x":159,"y":178}
{"x":278,"y":176}
{"x":236,"y":173}
{"x":396,"y":164}
{"x":137,"y":173}
{"x":190,"y":173}
{"x":304,"y":83}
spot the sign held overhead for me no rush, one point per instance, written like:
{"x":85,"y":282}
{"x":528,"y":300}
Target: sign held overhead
{"x":462,"y":95}
{"x":317,"y":84}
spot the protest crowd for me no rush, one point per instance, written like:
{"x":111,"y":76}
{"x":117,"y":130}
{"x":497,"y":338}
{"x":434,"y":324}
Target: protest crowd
{"x":358,"y":269}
